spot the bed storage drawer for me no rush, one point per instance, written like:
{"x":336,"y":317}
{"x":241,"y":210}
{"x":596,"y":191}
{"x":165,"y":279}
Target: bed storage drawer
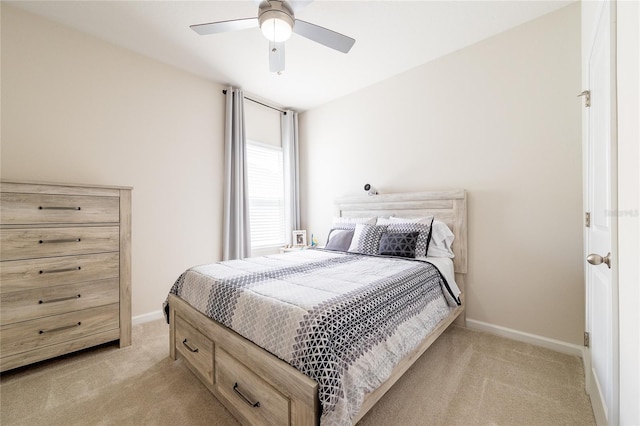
{"x":22,"y":209}
{"x":255,"y":399}
{"x":195,"y":348}
{"x":28,"y":335}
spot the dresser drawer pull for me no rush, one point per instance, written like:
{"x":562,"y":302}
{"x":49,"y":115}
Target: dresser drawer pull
{"x":69,"y":240}
{"x":253,"y":404}
{"x":55,"y":271}
{"x":60,"y":299}
{"x":184,"y":342}
{"x":66,"y":327}
{"x":59,"y":208}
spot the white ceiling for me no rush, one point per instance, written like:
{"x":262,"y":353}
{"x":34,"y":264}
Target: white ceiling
{"x":391,"y":37}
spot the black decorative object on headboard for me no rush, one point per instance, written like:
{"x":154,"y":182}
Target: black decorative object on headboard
{"x":370,"y":189}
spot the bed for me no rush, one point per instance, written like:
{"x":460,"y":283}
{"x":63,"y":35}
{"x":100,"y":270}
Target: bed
{"x":311,"y":372}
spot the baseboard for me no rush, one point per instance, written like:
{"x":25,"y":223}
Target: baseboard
{"x":521,"y":336}
{"x":151,"y":316}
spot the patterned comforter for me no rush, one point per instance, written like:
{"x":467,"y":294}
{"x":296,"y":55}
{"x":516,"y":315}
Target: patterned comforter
{"x":345,"y":320}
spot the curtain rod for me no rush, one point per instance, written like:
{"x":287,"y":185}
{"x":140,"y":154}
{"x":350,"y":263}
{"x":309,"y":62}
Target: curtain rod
{"x":224,"y":91}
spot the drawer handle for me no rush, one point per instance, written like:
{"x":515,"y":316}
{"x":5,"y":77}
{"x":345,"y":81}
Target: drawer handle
{"x":58,"y":208}
{"x":236,"y":390}
{"x":69,"y":240}
{"x":66,"y":327}
{"x":55,"y":271}
{"x":60,"y":299}
{"x":184,"y":342}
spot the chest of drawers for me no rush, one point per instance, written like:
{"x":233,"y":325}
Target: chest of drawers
{"x":65,"y":269}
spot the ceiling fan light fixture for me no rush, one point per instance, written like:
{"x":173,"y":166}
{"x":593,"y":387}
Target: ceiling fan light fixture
{"x":276,"y":20}
{"x":276,"y":25}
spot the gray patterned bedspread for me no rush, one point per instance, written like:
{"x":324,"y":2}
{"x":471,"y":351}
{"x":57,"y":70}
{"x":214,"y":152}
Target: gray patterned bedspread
{"x":344,"y":320}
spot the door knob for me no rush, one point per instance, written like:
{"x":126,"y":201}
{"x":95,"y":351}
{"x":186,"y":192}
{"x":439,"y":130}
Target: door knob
{"x":596,"y":259}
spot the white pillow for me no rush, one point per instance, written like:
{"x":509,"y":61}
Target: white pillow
{"x":339,"y":239}
{"x":383,"y":221}
{"x":441,"y":235}
{"x":441,"y":240}
{"x":366,"y":238}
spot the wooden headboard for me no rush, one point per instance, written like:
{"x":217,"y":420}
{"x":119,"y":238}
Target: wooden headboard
{"x":449,"y":207}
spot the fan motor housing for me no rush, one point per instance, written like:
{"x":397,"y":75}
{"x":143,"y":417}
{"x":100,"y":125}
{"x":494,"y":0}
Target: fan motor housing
{"x":275,"y":9}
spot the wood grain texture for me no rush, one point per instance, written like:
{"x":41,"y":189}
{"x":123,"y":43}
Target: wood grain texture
{"x":31,"y":187}
{"x":196,"y":348}
{"x":27,"y":335}
{"x":50,"y":351}
{"x":66,"y":273}
{"x":27,"y":274}
{"x":298,"y":389}
{"x":21,"y":209}
{"x":17,"y":244}
{"x":125,"y":267}
{"x":260,"y":403}
{"x":37,"y":303}
{"x":462,"y":285}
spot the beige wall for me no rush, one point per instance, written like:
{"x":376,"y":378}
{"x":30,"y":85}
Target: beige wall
{"x":79,"y":110}
{"x":262,"y":124}
{"x":500,"y":119}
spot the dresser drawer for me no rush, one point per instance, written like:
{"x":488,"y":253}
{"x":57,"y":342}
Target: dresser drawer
{"x":50,"y":242}
{"x":18,"y":275}
{"x":27,"y":335}
{"x":196,"y":348}
{"x":42,"y":302}
{"x":24,"y":209}
{"x":254,"y":398}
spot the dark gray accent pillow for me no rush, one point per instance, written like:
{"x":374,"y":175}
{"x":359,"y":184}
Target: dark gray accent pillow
{"x":424,"y":236}
{"x":339,"y":239}
{"x":401,"y":244}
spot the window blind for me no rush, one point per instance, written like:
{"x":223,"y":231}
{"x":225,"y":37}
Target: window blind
{"x":266,"y":195}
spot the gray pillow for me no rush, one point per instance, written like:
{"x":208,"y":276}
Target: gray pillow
{"x":339,"y":239}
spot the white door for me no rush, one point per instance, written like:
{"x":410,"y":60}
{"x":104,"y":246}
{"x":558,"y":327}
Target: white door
{"x":600,"y":245}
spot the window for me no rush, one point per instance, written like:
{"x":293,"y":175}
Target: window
{"x":266,"y":196}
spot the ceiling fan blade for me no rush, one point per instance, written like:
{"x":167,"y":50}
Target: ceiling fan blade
{"x":324,"y":36}
{"x":276,"y":57}
{"x":225,"y":26}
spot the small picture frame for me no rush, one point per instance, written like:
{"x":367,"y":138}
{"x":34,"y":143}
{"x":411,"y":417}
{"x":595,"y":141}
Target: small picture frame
{"x":299,"y":238}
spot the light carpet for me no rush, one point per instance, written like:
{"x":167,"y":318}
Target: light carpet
{"x":466,"y":378}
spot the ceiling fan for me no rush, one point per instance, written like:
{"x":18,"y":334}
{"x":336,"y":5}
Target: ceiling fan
{"x":276,"y":19}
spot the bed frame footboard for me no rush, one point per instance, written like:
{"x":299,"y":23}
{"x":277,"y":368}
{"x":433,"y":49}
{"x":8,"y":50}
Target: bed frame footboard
{"x":256,"y":386}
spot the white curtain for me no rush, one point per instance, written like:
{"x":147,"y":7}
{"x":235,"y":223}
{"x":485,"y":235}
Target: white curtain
{"x":289,"y":129}
{"x":236,"y":241}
